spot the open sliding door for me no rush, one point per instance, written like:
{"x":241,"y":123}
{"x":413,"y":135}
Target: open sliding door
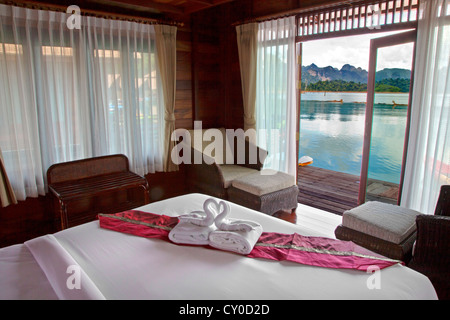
{"x":387,"y":122}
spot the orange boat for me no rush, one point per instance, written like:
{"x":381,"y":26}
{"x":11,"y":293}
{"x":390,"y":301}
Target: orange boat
{"x":304,"y":161}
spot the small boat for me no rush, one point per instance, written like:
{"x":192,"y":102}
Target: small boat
{"x":304,"y":161}
{"x":338,"y":101}
{"x":397,"y":104}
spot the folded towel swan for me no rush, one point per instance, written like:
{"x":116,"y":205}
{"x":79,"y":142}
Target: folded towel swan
{"x":235,"y":235}
{"x":231,"y":224}
{"x":203,"y":218}
{"x":239,"y":241}
{"x":209,"y":227}
{"x":195,"y":227}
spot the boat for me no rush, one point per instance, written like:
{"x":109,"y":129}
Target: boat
{"x":304,"y":161}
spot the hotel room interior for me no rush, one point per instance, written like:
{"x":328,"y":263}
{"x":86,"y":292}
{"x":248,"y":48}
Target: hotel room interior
{"x":97,"y":99}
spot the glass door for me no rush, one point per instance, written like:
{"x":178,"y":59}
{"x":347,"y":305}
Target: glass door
{"x":388,"y":105}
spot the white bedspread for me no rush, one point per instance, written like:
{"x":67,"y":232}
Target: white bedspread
{"x":115,"y":265}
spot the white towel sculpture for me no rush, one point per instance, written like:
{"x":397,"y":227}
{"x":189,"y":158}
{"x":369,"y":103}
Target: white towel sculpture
{"x":210,"y":227}
{"x":235,"y":235}
{"x":195,"y":227}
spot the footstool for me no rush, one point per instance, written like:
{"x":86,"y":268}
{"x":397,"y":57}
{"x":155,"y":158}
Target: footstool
{"x":267,"y":191}
{"x":386,"y":229}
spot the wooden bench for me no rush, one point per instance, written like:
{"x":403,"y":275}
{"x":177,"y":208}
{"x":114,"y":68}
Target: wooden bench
{"x":73,"y":181}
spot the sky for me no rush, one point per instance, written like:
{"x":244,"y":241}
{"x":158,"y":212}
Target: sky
{"x":354,"y":50}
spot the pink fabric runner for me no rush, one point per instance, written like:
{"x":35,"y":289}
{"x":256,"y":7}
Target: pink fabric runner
{"x":139,"y":223}
{"x":315,"y":251}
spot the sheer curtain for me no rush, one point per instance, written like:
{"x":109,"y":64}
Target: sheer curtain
{"x":276,"y":93}
{"x":125,"y":92}
{"x":67,"y":94}
{"x":166,"y":40}
{"x":247,"y":40}
{"x":428,"y":158}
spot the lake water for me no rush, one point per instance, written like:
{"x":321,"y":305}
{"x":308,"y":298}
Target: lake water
{"x":332,"y":133}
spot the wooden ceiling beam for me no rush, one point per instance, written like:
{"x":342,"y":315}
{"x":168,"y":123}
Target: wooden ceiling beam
{"x":161,"y":7}
{"x":207,"y":3}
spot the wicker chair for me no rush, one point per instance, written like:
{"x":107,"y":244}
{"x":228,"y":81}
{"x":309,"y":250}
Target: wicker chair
{"x":432,"y":249}
{"x":443,"y":204}
{"x":213,"y":176}
{"x":238,"y":178}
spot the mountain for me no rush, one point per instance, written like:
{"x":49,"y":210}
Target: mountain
{"x":394,"y":73}
{"x":313,"y":74}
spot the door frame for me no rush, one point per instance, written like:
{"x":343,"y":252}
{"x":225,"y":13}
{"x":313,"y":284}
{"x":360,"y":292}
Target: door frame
{"x":375,"y":44}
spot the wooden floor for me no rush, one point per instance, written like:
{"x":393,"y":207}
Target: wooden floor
{"x":337,"y":192}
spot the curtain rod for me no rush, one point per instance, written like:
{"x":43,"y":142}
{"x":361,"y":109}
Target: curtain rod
{"x":91,"y":13}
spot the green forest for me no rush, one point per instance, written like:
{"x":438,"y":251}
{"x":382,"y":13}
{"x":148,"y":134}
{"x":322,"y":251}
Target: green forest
{"x":385,"y":85}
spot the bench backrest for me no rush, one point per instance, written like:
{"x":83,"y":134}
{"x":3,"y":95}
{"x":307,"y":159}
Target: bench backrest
{"x":86,"y":168}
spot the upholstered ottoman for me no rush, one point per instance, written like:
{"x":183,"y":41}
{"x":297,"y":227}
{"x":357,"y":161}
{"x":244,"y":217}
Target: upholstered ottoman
{"x":387,"y":229}
{"x":267,"y":191}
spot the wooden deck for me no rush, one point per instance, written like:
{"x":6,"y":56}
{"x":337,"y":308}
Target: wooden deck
{"x":336,"y":191}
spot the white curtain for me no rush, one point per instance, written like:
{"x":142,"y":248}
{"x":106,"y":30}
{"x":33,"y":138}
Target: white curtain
{"x":247,"y":40}
{"x":166,"y":43}
{"x":276,"y":94}
{"x":126,"y":92}
{"x":68,"y":93}
{"x":428,"y":158}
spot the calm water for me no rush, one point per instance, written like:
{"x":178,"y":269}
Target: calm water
{"x":332,"y":132}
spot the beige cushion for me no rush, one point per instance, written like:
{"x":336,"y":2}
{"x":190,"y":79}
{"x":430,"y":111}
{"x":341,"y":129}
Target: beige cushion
{"x":231,"y":172}
{"x":264,"y":182}
{"x":385,"y":221}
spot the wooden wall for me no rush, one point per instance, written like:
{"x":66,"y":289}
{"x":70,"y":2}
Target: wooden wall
{"x":216,"y":71}
{"x":184,"y":85}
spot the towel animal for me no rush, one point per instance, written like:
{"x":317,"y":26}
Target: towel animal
{"x":235,"y":235}
{"x":195,"y":227}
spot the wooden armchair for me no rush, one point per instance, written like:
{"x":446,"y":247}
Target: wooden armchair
{"x":212,"y":170}
{"x":432,"y":249}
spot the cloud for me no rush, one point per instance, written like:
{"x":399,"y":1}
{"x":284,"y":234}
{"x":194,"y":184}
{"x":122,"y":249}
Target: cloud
{"x":395,"y":57}
{"x":354,"y":50}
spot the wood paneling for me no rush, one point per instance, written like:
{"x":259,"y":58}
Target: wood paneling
{"x":233,"y":111}
{"x":184,"y":84}
{"x":205,"y":64}
{"x":216,"y":69}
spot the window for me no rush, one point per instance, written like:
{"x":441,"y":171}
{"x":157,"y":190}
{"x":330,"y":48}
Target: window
{"x":68,"y":94}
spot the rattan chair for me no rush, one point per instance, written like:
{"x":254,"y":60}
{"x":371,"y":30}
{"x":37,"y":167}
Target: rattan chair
{"x":443,"y":204}
{"x":432,"y":249}
{"x":212,"y":176}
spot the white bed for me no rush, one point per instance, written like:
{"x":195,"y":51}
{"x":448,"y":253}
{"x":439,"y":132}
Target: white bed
{"x":116,"y":265}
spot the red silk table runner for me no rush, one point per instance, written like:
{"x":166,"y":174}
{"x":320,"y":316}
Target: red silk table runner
{"x":314,"y":251}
